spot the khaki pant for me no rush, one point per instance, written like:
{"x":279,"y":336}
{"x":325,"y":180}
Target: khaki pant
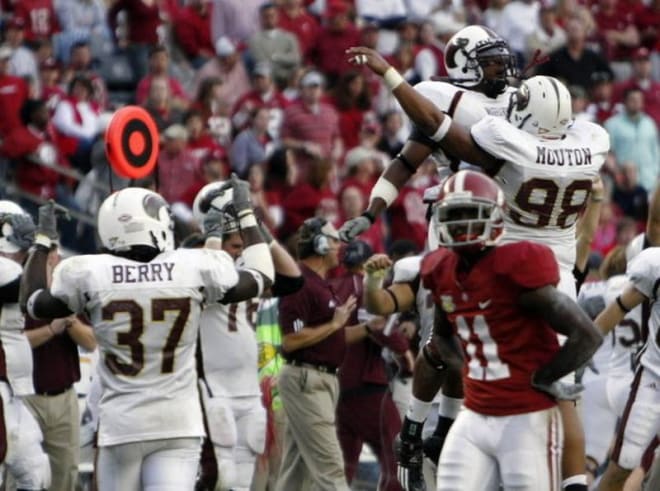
{"x":312,"y":459}
{"x":59,"y":421}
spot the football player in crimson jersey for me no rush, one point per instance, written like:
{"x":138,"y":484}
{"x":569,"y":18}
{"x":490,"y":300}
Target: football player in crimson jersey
{"x":545,"y":164}
{"x":499,"y":303}
{"x":144,"y":299}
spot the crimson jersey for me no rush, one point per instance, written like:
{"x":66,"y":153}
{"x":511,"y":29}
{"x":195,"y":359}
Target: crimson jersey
{"x":503,"y":344}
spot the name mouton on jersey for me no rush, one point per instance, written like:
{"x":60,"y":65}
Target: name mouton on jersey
{"x":546,"y":182}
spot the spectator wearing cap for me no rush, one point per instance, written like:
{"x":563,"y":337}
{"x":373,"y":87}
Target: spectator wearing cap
{"x":337,"y":34}
{"x":143,"y":18}
{"x":23,"y":62}
{"x":81,"y":62}
{"x":634,"y":138}
{"x":642,"y":79}
{"x":159,"y":66}
{"x":311,"y":126}
{"x":316,"y":328}
{"x":81,"y":20}
{"x":39,"y":18}
{"x":617,"y":34}
{"x":177,"y":169}
{"x":264,"y":93}
{"x":548,"y":35}
{"x":295,"y":19}
{"x":230,"y":68}
{"x":14,"y":91}
{"x":602,"y":105}
{"x":193,"y":32}
{"x":251,"y":145}
{"x":574,"y":63}
{"x":366,"y":413}
{"x":51,"y":90}
{"x":76,"y":122}
{"x":275,"y":46}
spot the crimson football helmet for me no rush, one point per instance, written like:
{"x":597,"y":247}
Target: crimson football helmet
{"x":468,"y":213}
{"x":469,"y":50}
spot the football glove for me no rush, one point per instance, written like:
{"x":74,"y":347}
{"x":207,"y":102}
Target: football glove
{"x":22,"y":229}
{"x":48,"y":214}
{"x":354,"y":227}
{"x":433,"y":444}
{"x":410,"y":455}
{"x":214,"y":223}
{"x":241,"y":189}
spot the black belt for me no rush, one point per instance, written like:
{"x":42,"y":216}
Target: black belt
{"x":52,"y":393}
{"x":315,"y":366}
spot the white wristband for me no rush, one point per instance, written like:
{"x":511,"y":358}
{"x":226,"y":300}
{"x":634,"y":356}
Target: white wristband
{"x":449,"y":406}
{"x":392,"y":78}
{"x":384,"y":190}
{"x":442,"y":129}
{"x":417,"y":410}
{"x":43,"y":240}
{"x":247,"y":220}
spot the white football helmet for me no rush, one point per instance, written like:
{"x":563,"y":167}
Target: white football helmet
{"x":222,"y":201}
{"x":468,"y":50}
{"x":541,"y":106}
{"x":7,"y":245}
{"x":135,"y":217}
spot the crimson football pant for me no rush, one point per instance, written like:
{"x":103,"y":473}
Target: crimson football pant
{"x":371,"y":418}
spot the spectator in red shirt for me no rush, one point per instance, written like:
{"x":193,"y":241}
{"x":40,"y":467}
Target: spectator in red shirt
{"x":264,"y":93}
{"x":602,"y":105}
{"x":352,"y":99}
{"x":352,"y":202}
{"x":193,"y":32}
{"x":336,"y":36}
{"x":642,"y":79}
{"x":366,"y":413}
{"x":159,"y":104}
{"x":280,"y":177}
{"x":14,"y":92}
{"x":40,"y":19}
{"x":648,"y":24}
{"x":295,"y":19}
{"x":215,"y":110}
{"x":143,"y":19}
{"x":311,"y":127}
{"x":616,"y":30}
{"x":82,"y":63}
{"x":177,"y":168}
{"x":200,"y":141}
{"x":51,"y":90}
{"x":159,"y":65}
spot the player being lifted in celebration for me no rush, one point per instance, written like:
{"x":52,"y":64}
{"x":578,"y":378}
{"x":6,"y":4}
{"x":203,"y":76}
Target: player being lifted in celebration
{"x":144,"y":300}
{"x":479,"y":63}
{"x":545,"y":164}
{"x":501,"y":304}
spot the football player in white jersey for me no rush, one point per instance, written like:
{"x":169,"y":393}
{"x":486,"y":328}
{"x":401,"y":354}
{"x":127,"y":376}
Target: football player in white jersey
{"x":229,"y":385}
{"x":26,"y":461}
{"x":640,"y":423}
{"x":545,"y":164}
{"x":479,"y":63}
{"x":144,"y":300}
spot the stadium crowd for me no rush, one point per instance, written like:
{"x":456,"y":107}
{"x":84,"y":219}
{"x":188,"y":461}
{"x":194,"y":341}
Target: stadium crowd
{"x":266,"y":91}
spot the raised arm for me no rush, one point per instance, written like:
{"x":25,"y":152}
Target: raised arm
{"x":398,"y":297}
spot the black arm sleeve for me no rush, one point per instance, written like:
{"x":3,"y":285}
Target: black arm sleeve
{"x":9,"y":292}
{"x":420,"y":137}
{"x":286,"y":285}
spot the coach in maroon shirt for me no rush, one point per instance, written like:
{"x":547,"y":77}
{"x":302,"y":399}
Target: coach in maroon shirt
{"x":314,"y":337}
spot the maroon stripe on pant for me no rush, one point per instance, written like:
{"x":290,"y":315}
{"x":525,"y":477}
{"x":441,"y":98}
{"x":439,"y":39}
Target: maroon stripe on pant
{"x":618,"y":443}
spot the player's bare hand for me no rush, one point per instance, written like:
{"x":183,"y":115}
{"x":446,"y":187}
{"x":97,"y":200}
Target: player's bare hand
{"x":360,"y":55}
{"x":343,"y":312}
{"x":377,"y":263}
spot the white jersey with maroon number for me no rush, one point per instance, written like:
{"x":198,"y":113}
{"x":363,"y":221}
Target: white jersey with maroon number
{"x":406,"y":270}
{"x":18,"y":353}
{"x":627,"y":335}
{"x":644,"y":273}
{"x":229,"y":348}
{"x":546,"y":182}
{"x":146,"y":321}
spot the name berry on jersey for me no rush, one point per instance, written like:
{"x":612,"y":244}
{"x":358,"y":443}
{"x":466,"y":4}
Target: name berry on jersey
{"x":142,"y":273}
